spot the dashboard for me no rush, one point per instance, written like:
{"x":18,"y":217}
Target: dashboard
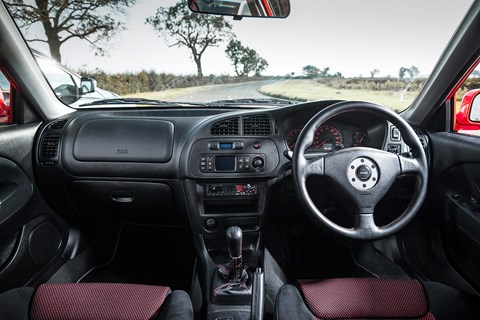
{"x":210,"y":166}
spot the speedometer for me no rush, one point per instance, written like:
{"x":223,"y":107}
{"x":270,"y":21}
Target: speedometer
{"x":327,"y":138}
{"x":292,"y":137}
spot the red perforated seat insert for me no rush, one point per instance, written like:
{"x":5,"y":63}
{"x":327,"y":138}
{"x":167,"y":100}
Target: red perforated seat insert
{"x":365,"y":298}
{"x":92,"y":301}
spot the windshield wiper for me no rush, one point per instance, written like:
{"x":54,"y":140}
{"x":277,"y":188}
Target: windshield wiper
{"x":265,"y":101}
{"x":129,"y":101}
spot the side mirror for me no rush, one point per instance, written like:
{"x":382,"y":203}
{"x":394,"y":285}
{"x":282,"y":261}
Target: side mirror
{"x":5,"y":110}
{"x":242,"y":8}
{"x":87,"y":85}
{"x":468,"y":117}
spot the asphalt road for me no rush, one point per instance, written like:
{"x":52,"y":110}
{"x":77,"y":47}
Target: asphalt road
{"x":228,"y":91}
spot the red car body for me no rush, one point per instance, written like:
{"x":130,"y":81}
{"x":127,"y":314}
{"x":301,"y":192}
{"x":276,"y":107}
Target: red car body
{"x":462,"y":117}
{"x":5,"y":110}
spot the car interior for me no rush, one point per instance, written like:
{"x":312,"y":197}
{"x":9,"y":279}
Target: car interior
{"x":200,"y":212}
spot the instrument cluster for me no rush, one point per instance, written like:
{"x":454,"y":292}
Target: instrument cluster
{"x":330,"y":136}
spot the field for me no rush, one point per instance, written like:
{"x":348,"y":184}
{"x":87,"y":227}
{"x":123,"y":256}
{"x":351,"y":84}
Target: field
{"x":310,"y":89}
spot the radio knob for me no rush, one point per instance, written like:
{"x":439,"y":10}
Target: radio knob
{"x":257,"y":163}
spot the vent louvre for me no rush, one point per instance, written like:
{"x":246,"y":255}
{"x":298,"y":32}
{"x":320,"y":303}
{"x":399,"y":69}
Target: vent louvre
{"x":50,"y":144}
{"x":58,"y":125}
{"x":225,"y":127}
{"x":257,"y":125}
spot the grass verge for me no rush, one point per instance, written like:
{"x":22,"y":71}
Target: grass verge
{"x":309,"y":90}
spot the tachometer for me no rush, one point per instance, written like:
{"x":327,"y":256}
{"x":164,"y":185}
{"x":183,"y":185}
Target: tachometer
{"x":327,"y":138}
{"x":292,"y":137}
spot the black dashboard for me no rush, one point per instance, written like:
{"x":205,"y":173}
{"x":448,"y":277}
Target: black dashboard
{"x":213,"y":167}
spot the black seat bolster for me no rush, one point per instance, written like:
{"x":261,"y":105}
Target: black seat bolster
{"x":14,"y":304}
{"x":177,"y":306}
{"x":448,"y":303}
{"x":292,"y":305}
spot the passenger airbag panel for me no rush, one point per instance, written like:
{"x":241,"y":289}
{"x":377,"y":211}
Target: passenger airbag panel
{"x":125,"y":140}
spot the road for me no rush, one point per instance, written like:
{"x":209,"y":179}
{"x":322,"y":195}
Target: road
{"x":228,"y":91}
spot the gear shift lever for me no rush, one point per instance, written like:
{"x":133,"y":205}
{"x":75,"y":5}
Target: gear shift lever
{"x":234,"y":242}
{"x":232,"y":285}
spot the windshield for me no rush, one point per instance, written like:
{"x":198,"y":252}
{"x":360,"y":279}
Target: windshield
{"x":373,"y":50}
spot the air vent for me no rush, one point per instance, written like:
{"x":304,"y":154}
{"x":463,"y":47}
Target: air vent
{"x":257,"y":125}
{"x":58,"y":125}
{"x":421,"y":137}
{"x":50,"y":144}
{"x":225,"y":127}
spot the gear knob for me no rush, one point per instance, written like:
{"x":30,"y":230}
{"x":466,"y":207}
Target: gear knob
{"x":234,"y":241}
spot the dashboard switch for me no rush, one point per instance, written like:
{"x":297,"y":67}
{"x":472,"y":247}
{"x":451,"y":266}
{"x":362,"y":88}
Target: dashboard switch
{"x":257,"y":145}
{"x":395,"y":134}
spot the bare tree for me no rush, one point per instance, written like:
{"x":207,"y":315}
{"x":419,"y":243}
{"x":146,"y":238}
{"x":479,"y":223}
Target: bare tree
{"x":63,"y":20}
{"x":192,"y":30}
{"x":374,"y":72}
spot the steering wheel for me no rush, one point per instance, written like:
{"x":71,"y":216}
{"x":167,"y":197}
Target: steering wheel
{"x":360,"y":176}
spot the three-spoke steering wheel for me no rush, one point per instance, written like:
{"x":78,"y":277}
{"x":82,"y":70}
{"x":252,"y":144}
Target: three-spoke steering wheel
{"x":360,"y":176}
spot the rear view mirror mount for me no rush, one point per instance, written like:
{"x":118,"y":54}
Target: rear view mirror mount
{"x":242,"y":8}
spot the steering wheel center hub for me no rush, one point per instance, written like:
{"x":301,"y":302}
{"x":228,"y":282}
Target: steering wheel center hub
{"x":363,"y":173}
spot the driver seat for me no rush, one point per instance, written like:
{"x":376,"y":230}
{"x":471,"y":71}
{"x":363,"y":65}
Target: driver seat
{"x":373,"y":298}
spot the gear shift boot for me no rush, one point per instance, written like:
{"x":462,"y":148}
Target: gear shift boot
{"x":231,"y":283}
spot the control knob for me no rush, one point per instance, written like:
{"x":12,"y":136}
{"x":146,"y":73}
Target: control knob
{"x":257,"y":163}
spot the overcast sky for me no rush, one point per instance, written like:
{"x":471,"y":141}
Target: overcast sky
{"x":352,"y":37}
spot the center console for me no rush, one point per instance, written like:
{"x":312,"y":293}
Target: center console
{"x":227,"y":193}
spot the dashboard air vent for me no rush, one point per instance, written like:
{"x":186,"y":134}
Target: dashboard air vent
{"x":58,"y":125}
{"x":257,"y":125}
{"x":225,"y":127}
{"x":49,"y":148}
{"x":422,"y":137}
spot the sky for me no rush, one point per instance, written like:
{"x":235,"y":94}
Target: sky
{"x":349,"y":36}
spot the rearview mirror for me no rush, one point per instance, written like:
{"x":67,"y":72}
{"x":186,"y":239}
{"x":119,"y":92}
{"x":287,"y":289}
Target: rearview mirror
{"x":87,"y":85}
{"x":242,"y":8}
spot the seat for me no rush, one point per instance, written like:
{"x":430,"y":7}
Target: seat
{"x":89,"y":301}
{"x":372,"y":298}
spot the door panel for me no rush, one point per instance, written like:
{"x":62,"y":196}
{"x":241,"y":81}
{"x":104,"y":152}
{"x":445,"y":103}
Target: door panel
{"x":32,"y":237}
{"x":456,"y":195}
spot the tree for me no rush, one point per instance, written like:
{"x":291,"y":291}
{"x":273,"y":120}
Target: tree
{"x":413,"y":72}
{"x":374,"y":72}
{"x":311,"y":71}
{"x":401,"y":72}
{"x":195,"y":31}
{"x":244,"y":59}
{"x":324,"y":73}
{"x":476,"y":73}
{"x":338,"y":75}
{"x":91,"y":20}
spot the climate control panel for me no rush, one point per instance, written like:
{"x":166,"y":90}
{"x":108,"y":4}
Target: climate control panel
{"x":233,"y":158}
{"x":232,"y":162}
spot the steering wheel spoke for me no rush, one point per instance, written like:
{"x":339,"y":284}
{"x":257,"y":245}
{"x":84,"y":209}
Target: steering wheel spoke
{"x":315,"y":164}
{"x":364,"y":221}
{"x":409,"y":165}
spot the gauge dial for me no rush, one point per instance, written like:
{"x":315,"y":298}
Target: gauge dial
{"x":292,"y":137}
{"x":327,"y":138}
{"x":359,"y":138}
